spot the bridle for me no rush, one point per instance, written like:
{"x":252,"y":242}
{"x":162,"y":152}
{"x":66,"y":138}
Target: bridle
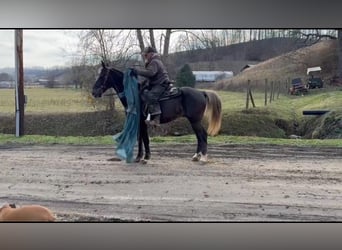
{"x":104,"y":83}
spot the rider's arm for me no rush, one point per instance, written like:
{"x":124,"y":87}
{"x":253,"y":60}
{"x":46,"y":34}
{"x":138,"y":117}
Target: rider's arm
{"x":150,"y":71}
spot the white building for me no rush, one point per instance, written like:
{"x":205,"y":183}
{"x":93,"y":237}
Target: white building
{"x":7,"y":84}
{"x":212,"y":76}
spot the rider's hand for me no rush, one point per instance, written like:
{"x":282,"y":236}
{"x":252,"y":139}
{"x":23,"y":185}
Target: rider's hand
{"x":134,"y":72}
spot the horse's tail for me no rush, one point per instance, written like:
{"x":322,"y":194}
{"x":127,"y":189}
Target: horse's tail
{"x":213,"y":112}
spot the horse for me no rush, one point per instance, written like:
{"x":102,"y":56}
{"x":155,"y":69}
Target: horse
{"x":190,"y":103}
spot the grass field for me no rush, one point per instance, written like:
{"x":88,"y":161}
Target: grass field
{"x":59,"y":112}
{"x":45,"y":100}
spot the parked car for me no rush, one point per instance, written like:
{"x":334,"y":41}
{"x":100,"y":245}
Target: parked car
{"x":298,"y":87}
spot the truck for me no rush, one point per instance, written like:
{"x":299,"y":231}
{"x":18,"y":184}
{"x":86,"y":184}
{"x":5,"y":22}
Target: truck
{"x":314,"y":80}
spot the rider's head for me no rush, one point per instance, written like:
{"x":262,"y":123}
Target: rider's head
{"x":148,"y":52}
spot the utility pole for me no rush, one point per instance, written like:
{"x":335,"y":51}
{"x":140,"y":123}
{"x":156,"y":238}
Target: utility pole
{"x":19,"y":83}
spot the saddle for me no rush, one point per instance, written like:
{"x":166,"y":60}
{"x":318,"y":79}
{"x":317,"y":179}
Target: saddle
{"x":170,"y":92}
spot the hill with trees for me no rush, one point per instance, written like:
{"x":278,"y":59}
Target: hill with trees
{"x":290,"y":65}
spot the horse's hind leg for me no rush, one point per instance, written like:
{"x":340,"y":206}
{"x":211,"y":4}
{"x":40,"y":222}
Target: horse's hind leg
{"x":143,"y":139}
{"x":146,"y":141}
{"x":201,"y":135}
{"x":140,"y":142}
{"x":140,"y":149}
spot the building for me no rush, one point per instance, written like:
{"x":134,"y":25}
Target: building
{"x":7,"y":84}
{"x":212,"y":76}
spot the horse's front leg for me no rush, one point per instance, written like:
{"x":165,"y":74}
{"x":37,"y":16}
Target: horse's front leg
{"x":140,"y":147}
{"x":146,"y":140}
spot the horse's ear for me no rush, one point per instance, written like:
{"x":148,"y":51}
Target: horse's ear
{"x":103,"y":64}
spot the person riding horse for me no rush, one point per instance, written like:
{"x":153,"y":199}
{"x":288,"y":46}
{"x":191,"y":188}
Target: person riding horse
{"x":157,"y":79}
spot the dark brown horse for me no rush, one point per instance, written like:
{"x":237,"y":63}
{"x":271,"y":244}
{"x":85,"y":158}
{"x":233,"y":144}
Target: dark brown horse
{"x":191,"y":103}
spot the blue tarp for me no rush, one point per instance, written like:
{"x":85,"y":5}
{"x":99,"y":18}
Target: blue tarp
{"x":127,"y":139}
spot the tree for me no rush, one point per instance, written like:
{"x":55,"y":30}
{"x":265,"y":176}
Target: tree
{"x":185,"y":77}
{"x":339,"y":54}
{"x":5,"y":77}
{"x":150,"y":39}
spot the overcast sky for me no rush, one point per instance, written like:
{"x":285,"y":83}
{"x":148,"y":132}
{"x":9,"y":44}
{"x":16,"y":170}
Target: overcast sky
{"x":45,"y":48}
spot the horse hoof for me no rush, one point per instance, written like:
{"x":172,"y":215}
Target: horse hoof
{"x":147,"y":157}
{"x":143,"y":161}
{"x":204,"y":159}
{"x":196,"y":157}
{"x":138,"y":159}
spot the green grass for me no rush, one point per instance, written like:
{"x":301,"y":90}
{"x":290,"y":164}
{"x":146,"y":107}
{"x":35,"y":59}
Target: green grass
{"x":221,"y":139}
{"x":46,"y":100}
{"x":50,"y":140}
{"x":260,"y":121}
{"x":285,"y":105}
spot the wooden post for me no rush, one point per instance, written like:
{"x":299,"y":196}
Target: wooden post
{"x":273,"y":89}
{"x":247,"y":95}
{"x":271,"y":92}
{"x":278,"y":87}
{"x":266,"y":92}
{"x":19,"y":80}
{"x":251,"y":96}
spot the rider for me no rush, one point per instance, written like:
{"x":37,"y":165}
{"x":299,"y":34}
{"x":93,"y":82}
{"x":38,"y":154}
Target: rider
{"x":158,"y":80}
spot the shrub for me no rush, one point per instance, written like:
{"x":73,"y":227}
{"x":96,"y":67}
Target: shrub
{"x":185,"y":77}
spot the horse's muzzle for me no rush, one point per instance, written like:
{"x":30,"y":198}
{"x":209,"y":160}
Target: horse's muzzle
{"x":97,"y":93}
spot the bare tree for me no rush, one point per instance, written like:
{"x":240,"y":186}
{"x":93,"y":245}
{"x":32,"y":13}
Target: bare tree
{"x":167,"y":42}
{"x":339,"y":53}
{"x":152,"y":40}
{"x":111,"y":46}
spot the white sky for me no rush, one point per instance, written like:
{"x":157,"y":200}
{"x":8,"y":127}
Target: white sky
{"x":44,"y":48}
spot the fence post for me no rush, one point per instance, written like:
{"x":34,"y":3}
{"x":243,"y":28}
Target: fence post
{"x":266,"y":92}
{"x":278,"y":87}
{"x":274,"y":89}
{"x":251,"y":96}
{"x":247,"y":96}
{"x":271,"y":92}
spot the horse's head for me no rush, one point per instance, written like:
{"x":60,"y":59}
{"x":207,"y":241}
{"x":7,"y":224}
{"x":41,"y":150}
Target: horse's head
{"x":107,"y":78}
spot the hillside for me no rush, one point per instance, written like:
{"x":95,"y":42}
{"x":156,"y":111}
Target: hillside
{"x":235,"y":56}
{"x":288,"y":66}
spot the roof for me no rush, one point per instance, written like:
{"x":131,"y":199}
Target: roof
{"x":313,"y":69}
{"x":212,"y":72}
{"x":247,"y":66}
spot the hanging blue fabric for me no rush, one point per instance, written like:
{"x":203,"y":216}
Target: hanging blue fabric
{"x":127,"y":138}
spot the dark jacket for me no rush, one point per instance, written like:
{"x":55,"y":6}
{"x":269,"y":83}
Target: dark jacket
{"x":154,"y":71}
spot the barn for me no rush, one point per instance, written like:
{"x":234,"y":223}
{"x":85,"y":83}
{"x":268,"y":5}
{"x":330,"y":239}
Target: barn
{"x":212,"y":76}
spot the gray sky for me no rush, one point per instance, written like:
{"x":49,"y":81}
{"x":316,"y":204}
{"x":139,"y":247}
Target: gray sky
{"x":45,"y":48}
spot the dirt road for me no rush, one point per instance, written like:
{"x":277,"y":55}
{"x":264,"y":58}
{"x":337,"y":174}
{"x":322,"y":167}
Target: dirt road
{"x":241,"y":183}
